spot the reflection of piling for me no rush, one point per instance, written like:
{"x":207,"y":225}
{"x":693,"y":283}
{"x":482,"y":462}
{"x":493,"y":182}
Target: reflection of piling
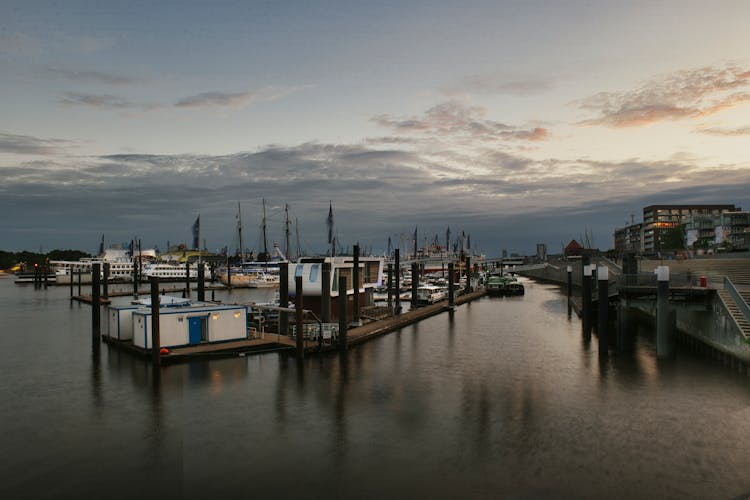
{"x":325,"y":296}
{"x":298,"y":304}
{"x":155,"y":335}
{"x":201,"y":282}
{"x":284,"y":298}
{"x":414,"y":283}
{"x":397,"y":270}
{"x":664,"y":317}
{"x":96,"y":323}
{"x":342,"y":313}
{"x":570,"y":289}
{"x":105,"y":284}
{"x":451,"y":293}
{"x":603,"y":278}
{"x":355,"y":286}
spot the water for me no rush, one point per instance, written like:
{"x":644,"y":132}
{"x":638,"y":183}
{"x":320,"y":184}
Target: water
{"x":503,"y":400}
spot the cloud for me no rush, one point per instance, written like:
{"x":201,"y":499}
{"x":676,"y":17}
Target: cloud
{"x":202,"y":100}
{"x":684,"y":94}
{"x":103,"y":101}
{"x":234,"y":99}
{"x":102,"y":77}
{"x":29,"y":145}
{"x":501,"y":84}
{"x":725,"y":131}
{"x":456,"y":119}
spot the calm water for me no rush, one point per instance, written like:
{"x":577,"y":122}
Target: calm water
{"x":503,"y":400}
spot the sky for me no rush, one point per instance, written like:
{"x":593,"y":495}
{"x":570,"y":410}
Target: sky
{"x":517,"y":122}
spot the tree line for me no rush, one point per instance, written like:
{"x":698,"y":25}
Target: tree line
{"x":10,"y":259}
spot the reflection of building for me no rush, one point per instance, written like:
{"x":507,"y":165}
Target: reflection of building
{"x":629,"y":239}
{"x":658,"y":219}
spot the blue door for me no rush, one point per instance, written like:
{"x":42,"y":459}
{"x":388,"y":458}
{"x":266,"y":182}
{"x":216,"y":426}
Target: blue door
{"x":194,"y":330}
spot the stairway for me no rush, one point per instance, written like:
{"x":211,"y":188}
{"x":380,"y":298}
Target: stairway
{"x":735,"y":312}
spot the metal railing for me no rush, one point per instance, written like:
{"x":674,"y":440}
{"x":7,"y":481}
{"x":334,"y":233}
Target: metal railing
{"x":738,"y":299}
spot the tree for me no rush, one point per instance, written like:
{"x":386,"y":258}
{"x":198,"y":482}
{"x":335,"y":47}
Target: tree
{"x":673,"y":239}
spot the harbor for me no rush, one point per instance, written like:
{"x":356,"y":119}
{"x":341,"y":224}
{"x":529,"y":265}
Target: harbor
{"x":473,"y":387}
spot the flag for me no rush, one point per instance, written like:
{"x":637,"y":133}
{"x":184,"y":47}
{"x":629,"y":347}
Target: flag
{"x":197,"y":232}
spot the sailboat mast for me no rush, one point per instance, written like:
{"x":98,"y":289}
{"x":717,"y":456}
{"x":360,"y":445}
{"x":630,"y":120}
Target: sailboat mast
{"x":265,"y":240}
{"x":239,"y":231}
{"x":286,"y":228}
{"x":296,"y":232}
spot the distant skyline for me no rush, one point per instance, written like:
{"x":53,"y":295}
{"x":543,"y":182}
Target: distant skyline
{"x":519,"y":122}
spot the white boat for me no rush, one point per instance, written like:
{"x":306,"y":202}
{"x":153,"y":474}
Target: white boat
{"x":119,"y":260}
{"x":169,"y":271}
{"x":429,"y":294}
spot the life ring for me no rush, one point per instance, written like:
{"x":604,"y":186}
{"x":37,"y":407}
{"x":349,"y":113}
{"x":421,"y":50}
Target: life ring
{"x":164,"y":351}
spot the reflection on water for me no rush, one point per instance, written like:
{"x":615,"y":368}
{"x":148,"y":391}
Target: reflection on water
{"x":505,"y":397}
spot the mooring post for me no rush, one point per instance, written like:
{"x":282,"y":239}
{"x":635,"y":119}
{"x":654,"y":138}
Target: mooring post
{"x":451,"y":293}
{"x":570,"y":289}
{"x":300,"y":327}
{"x":187,"y":278}
{"x":325,"y":296}
{"x":136,"y":271}
{"x":397,"y":288}
{"x":664,"y":340}
{"x":284,"y":298}
{"x":80,"y":273}
{"x":355,"y":285}
{"x":201,"y":281}
{"x":155,"y":336}
{"x":96,"y":322}
{"x":70,"y":272}
{"x":342,"y":313}
{"x":414,"y":284}
{"x":390,"y":287}
{"x":229,"y":275}
{"x":105,"y":284}
{"x":586,"y":299}
{"x":602,"y":275}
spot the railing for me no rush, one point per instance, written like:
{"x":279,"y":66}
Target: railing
{"x":741,"y":304}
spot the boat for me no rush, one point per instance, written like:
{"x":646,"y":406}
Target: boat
{"x":429,"y":294}
{"x":503,"y":285}
{"x":166,"y":271}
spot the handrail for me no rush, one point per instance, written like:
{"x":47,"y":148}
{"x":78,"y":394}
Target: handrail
{"x":741,"y":304}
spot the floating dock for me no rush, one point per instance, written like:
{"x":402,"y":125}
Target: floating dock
{"x":273,"y":342}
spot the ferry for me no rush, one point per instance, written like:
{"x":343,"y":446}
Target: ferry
{"x":173,"y":272}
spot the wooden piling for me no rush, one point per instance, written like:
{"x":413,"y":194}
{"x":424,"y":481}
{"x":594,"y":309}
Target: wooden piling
{"x":586,"y":299}
{"x":187,"y":278}
{"x":397,"y":288}
{"x":80,"y":272}
{"x":451,"y":292}
{"x":664,"y":330}
{"x":342,"y":313}
{"x":355,"y":286}
{"x":414,"y":283}
{"x":298,"y":307}
{"x":570,"y":290}
{"x":201,"y":282}
{"x":70,"y":269}
{"x":325,"y":297}
{"x":155,"y":335}
{"x":96,"y":321}
{"x":105,"y":283}
{"x":284,"y":298}
{"x":603,"y":279}
{"x":390,"y":287}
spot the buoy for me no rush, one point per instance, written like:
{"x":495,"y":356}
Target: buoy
{"x":163,"y":351}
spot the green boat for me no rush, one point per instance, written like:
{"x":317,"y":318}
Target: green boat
{"x":500,"y":286}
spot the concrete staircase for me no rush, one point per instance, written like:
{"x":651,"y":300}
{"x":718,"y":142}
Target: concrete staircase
{"x":735,"y":311}
{"x":736,"y":269}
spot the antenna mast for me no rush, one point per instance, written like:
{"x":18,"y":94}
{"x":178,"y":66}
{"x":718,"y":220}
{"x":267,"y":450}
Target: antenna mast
{"x":265,"y":240}
{"x":286,"y":228}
